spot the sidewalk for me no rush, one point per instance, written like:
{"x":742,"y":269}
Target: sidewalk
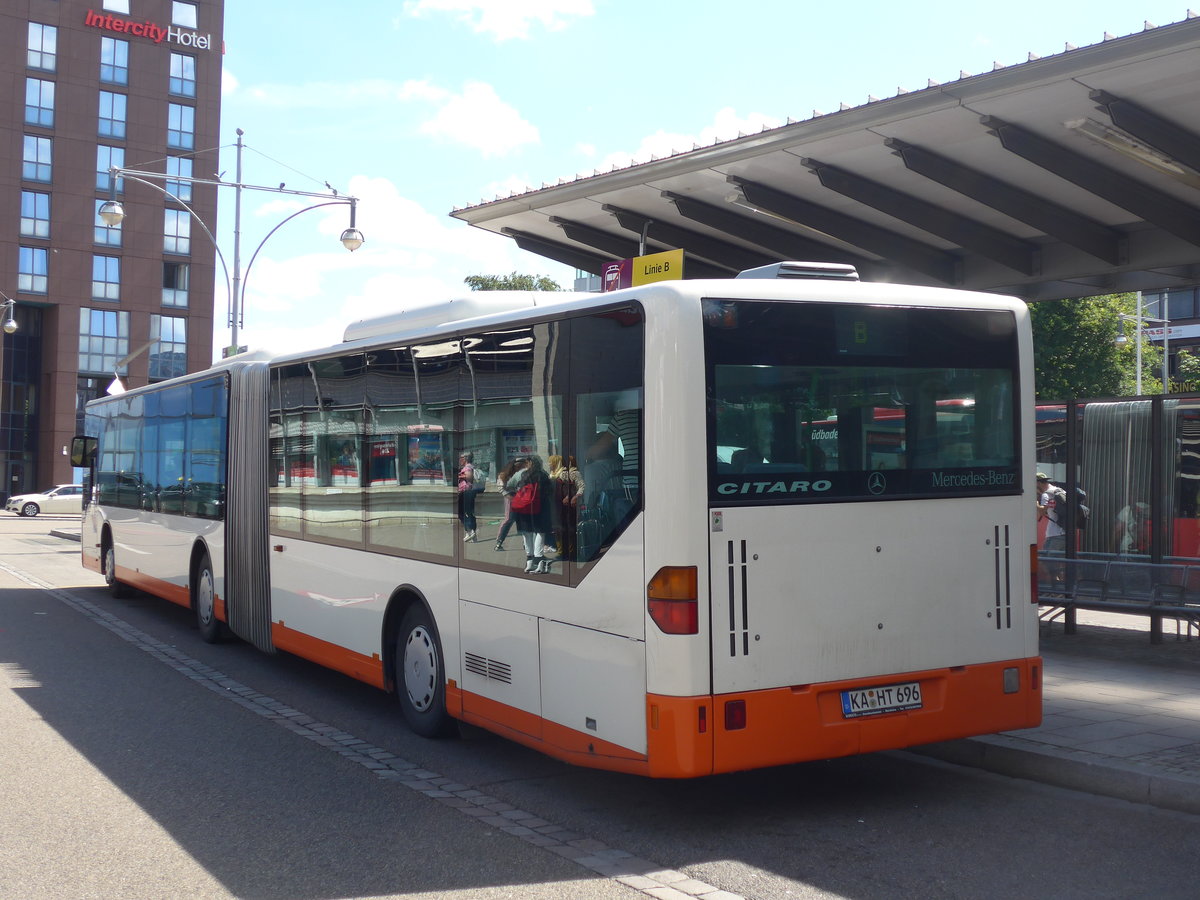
{"x":1121,"y":716}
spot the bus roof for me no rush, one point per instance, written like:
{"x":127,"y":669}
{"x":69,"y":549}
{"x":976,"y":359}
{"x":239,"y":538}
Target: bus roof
{"x":490,"y":305}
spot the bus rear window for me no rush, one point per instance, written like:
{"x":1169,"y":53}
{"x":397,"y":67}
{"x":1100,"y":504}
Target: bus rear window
{"x":819,"y":402}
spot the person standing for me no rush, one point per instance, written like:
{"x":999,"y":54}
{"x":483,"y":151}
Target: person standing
{"x":466,"y":495}
{"x":534,"y":520}
{"x":1052,"y":505}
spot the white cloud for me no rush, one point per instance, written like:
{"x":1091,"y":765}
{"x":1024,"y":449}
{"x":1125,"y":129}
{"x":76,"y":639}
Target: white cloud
{"x":476,"y":117}
{"x":479,"y":118}
{"x":504,"y":19}
{"x":339,"y":95}
{"x":411,"y":257}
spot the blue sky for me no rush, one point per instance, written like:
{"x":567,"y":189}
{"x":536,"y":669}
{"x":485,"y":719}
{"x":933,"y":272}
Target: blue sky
{"x":420,"y":106}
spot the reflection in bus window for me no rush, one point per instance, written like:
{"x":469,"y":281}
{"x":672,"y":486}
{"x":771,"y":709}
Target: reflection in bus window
{"x":165,"y":451}
{"x":363,"y":445}
{"x":606,"y":366}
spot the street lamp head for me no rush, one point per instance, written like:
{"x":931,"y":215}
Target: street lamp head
{"x":1120,"y":340}
{"x":10,"y":325}
{"x":112,"y":213}
{"x":352,"y":239}
{"x":10,"y":322}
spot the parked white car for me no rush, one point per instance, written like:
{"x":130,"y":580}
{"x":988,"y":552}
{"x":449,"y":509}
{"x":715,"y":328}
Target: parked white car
{"x":64,"y":498}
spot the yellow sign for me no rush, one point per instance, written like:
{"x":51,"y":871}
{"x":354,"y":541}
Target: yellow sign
{"x":665,"y":266}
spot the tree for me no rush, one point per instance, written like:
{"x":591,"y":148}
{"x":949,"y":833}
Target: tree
{"x":1074,"y":354}
{"x":1188,"y":373}
{"x":512,"y":282}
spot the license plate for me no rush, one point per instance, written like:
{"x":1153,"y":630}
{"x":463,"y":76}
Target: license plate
{"x":873,"y":701}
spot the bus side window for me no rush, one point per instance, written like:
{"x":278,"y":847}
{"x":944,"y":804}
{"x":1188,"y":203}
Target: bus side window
{"x":606,"y":366}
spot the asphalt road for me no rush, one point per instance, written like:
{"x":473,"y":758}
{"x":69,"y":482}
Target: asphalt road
{"x":137,"y":761}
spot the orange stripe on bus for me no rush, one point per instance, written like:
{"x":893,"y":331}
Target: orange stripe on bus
{"x":687,"y":737}
{"x":332,"y":656}
{"x":678,"y":748}
{"x":554,"y":740}
{"x":156,"y":586}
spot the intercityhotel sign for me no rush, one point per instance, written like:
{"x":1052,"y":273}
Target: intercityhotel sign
{"x":148,"y":29}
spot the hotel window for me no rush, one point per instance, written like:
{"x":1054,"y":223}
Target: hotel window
{"x":109,"y":158}
{"x":175,"y":284}
{"x":103,"y":340}
{"x":183,"y":75}
{"x":39,"y":102}
{"x":179,"y":166}
{"x":112,"y":115}
{"x":35,"y":214}
{"x":109,"y":235}
{"x":183,"y":14}
{"x":31,"y":270}
{"x":106,"y":278}
{"x":43,"y":47}
{"x":114,"y":61}
{"x":168,"y":355}
{"x":36,"y":163}
{"x":181,"y":127}
{"x":177,"y":231}
{"x":117,"y":6}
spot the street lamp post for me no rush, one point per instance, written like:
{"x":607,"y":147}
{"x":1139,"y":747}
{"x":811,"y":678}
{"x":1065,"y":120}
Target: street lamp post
{"x":113,"y":213}
{"x":1139,"y":319}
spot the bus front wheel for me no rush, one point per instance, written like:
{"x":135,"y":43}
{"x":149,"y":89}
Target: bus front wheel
{"x":116,"y":588}
{"x":204,"y":596}
{"x":420,"y":675}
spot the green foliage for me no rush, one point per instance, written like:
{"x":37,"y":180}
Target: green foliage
{"x":1187,"y":376}
{"x":511,"y":282}
{"x":1075,"y":355}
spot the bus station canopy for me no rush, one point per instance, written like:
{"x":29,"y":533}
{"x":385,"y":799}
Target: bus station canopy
{"x":1064,"y":176}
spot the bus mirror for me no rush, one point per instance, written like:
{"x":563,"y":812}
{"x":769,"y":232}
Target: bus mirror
{"x":83,"y":452}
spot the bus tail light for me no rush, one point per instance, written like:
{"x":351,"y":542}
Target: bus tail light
{"x":672,"y":602}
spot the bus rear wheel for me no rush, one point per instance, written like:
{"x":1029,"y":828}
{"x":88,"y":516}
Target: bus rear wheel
{"x":204,"y":602}
{"x":420,"y":674}
{"x":116,"y":588}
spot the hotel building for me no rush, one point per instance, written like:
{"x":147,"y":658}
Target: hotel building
{"x":85,"y":86}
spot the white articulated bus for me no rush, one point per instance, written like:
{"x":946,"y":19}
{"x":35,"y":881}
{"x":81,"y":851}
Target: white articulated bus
{"x":788,"y":545}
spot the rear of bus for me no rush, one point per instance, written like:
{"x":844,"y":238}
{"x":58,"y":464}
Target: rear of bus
{"x":868,"y":524}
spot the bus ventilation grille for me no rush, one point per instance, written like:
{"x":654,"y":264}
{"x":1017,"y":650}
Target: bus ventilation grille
{"x":738,"y":597}
{"x":1002,"y":573}
{"x":488,"y":668}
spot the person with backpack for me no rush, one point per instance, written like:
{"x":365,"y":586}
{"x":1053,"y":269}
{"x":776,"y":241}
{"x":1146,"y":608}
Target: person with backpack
{"x":1053,"y":506}
{"x":532,"y":507}
{"x":469,"y":486}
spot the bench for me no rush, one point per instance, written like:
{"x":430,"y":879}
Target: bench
{"x":1169,"y":590}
